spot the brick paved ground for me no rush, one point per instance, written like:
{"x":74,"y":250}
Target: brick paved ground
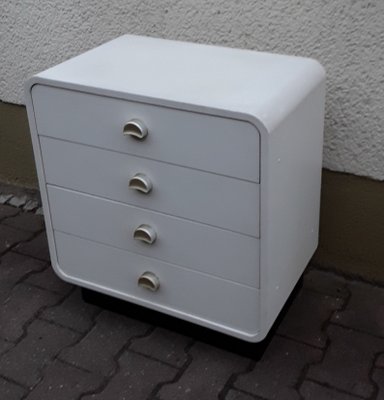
{"x":330,"y":344}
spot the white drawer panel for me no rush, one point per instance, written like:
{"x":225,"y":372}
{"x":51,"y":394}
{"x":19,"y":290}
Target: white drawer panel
{"x":205,"y":197}
{"x":193,"y":296}
{"x":189,"y":244}
{"x":222,"y":145}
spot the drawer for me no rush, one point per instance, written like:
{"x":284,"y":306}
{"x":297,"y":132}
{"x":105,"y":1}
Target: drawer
{"x":204,"y":197}
{"x":192,"y":245}
{"x":221,"y":145}
{"x":193,"y":296}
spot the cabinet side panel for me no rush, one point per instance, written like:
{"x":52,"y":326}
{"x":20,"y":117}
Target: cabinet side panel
{"x":30,"y":102}
{"x":291,"y":201}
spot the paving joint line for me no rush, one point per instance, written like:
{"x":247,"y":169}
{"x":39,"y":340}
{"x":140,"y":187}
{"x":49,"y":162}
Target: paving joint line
{"x":10,"y":380}
{"x":304,"y":372}
{"x":29,"y":321}
{"x":151,"y":358}
{"x":356,"y":330}
{"x":187,"y":348}
{"x":370,"y":375}
{"x":41,"y":371}
{"x":341,"y":391}
{"x":229,"y":384}
{"x":349,"y":277}
{"x":117,"y":367}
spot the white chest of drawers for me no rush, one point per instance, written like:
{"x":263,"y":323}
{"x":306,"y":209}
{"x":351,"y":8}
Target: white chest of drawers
{"x":182,"y":177}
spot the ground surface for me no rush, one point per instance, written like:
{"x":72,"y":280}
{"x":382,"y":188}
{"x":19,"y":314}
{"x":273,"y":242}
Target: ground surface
{"x":330,"y":344}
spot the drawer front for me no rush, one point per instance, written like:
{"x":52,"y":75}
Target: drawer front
{"x":204,"y":197}
{"x":221,"y":145}
{"x":193,"y":296}
{"x":189,"y":244}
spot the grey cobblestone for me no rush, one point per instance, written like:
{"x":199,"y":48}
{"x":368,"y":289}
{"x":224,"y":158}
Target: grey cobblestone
{"x":110,"y":333}
{"x":4,"y":198}
{"x":11,"y":391}
{"x":10,"y":236}
{"x":48,"y":280}
{"x":24,"y":363}
{"x":277,"y":373}
{"x":18,"y":201}
{"x":348,"y":361}
{"x":163,"y":345}
{"x":37,"y":247}
{"x":137,"y":378}
{"x":39,"y":211}
{"x":360,"y":313}
{"x":21,"y":306}
{"x":313,"y":391}
{"x":73,"y":313}
{"x":206,"y":375}
{"x":13,"y":268}
{"x":306,"y":316}
{"x":31,"y":205}
{"x":64,"y":382}
{"x":25,"y":222}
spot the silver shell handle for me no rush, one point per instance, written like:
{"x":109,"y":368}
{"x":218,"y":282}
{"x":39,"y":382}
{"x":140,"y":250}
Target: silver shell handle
{"x":145,"y":233}
{"x":141,"y":183}
{"x":149,"y":281}
{"x":135,"y":129}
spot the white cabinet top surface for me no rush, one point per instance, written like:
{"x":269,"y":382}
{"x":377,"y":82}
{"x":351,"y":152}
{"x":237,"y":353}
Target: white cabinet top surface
{"x":264,"y":86}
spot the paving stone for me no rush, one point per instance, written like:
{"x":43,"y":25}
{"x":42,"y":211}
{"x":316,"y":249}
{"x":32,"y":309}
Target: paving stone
{"x":378,"y":377}
{"x":13,"y":268}
{"x":48,"y":280}
{"x":347,"y":362}
{"x":10,"y":391}
{"x":64,"y":382}
{"x":73,"y":312}
{"x":276,"y":374}
{"x":37,"y":247}
{"x":206,"y":376}
{"x":307,"y":315}
{"x":10,"y":236}
{"x":362,"y":312}
{"x":4,"y":198}
{"x":163,"y":345}
{"x":18,"y":201}
{"x":136,"y":379}
{"x":24,"y":363}
{"x":25,"y":221}
{"x":21,"y":306}
{"x":313,"y":391}
{"x":380,"y":361}
{"x":326,"y":283}
{"x":7,"y":211}
{"x":97,"y":350}
{"x":236,"y":395}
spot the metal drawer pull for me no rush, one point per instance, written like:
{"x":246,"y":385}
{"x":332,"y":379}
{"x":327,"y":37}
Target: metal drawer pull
{"x":149,"y":281}
{"x":145,"y":233}
{"x":141,"y":183}
{"x":135,"y":129}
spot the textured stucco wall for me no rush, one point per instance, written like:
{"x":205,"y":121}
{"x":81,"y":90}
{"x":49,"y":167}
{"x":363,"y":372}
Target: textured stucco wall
{"x":346,"y":36}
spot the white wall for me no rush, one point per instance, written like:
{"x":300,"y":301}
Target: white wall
{"x":346,"y":36}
